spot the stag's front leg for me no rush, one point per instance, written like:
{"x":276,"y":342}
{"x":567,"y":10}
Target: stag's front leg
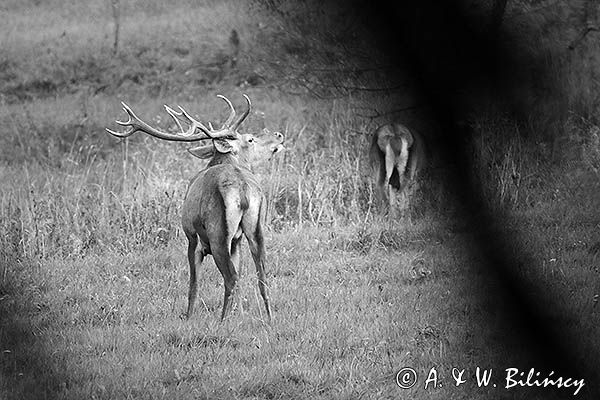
{"x":193,"y":291}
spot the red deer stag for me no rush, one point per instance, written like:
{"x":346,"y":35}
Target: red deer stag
{"x":396,"y":154}
{"x":223,"y":200}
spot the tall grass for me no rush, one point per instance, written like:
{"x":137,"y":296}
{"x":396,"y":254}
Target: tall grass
{"x":96,"y":194}
{"x":71,"y":185}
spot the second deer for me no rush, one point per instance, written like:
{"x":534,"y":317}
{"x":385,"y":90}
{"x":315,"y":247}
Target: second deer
{"x":397,"y":154}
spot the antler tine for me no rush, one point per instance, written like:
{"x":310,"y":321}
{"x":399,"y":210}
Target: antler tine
{"x":195,"y":124}
{"x":211,"y":133}
{"x":174,"y":114}
{"x":134,"y":124}
{"x":244,"y":115}
{"x":129,"y":131}
{"x":125,"y":134}
{"x":229,"y":120}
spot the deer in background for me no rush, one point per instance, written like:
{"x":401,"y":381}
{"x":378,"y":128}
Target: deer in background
{"x":224,"y":200}
{"x":396,"y":155}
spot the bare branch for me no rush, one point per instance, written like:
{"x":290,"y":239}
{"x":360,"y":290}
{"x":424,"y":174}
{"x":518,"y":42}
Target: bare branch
{"x":577,"y":41}
{"x":591,"y":23}
{"x":379,"y":114}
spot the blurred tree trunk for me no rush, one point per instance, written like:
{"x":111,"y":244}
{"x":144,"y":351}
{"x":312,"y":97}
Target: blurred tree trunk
{"x":497,"y":17}
{"x":591,"y":23}
{"x":116,"y":20}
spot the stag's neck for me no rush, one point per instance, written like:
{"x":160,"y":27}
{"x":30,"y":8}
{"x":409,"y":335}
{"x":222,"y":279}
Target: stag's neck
{"x":228,"y":158}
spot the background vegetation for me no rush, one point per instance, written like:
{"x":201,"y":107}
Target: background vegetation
{"x":93,"y":273}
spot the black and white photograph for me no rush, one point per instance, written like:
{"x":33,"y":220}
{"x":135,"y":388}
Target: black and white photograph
{"x":299,"y":199}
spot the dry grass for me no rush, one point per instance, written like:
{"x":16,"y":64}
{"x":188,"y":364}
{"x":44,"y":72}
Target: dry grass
{"x":346,"y":320}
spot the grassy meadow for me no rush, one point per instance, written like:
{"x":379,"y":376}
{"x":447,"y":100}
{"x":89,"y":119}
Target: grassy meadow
{"x":93,"y":269}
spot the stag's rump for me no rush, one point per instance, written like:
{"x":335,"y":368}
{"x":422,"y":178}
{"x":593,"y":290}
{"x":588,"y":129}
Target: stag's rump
{"x":216,"y":201}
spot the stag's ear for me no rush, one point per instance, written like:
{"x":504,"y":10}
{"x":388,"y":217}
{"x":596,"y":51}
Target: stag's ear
{"x":223,"y":146}
{"x":203,"y":152}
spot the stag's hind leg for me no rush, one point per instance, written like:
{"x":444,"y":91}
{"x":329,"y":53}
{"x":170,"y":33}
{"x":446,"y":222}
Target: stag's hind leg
{"x":236,"y":250}
{"x":225,"y":264}
{"x":193,"y":291}
{"x":379,"y":175}
{"x":257,"y":248}
{"x":256,"y":243}
{"x":225,"y":249}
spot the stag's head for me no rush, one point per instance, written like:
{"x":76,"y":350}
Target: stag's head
{"x":248,"y":149}
{"x":226,"y":142}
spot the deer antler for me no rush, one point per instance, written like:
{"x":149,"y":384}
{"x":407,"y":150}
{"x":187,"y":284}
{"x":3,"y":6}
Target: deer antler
{"x":196,"y":131}
{"x":229,"y":120}
{"x":227,"y":124}
{"x":244,"y":115}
